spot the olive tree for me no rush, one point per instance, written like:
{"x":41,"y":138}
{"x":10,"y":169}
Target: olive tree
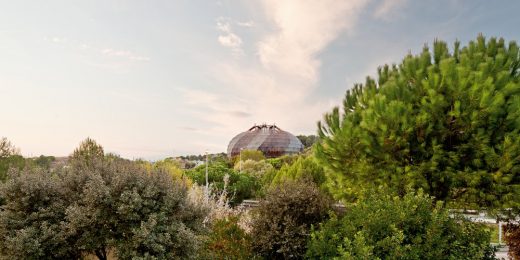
{"x":113,"y":205}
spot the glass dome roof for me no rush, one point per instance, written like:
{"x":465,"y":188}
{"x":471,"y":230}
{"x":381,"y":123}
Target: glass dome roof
{"x":269,"y":139}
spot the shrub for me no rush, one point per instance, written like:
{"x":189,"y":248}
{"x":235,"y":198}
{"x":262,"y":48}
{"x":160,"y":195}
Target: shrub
{"x":512,"y":238}
{"x":278,"y":162}
{"x":303,"y":168}
{"x":412,"y":227}
{"x":241,"y":186}
{"x":227,"y":240}
{"x":254,"y":155}
{"x":257,"y":169}
{"x":282,"y":222}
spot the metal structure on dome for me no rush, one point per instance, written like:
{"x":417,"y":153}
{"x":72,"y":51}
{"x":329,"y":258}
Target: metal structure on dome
{"x":269,"y":139}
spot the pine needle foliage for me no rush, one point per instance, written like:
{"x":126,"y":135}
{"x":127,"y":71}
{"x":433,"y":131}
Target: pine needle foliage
{"x":444,"y":121}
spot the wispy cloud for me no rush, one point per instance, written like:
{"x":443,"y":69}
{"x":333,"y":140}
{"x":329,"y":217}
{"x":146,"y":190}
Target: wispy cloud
{"x":124,"y":54}
{"x":58,"y":39}
{"x":246,"y":24}
{"x":227,"y":37}
{"x":275,"y":87}
{"x":93,"y":50}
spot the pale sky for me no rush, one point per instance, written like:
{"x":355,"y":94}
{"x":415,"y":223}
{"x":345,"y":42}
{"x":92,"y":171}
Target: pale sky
{"x":157,"y":78}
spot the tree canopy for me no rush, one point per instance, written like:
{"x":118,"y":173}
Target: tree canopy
{"x":87,"y":152}
{"x":444,"y":121}
{"x":9,"y":157}
{"x":96,"y":205}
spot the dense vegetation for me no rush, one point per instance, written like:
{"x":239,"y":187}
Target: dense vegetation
{"x":390,"y":227}
{"x":95,"y":206}
{"x":438,"y":131}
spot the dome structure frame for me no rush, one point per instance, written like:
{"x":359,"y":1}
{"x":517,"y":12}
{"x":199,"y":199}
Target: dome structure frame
{"x":269,"y":139}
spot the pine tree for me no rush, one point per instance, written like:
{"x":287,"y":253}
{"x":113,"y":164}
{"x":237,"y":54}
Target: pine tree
{"x":87,"y":152}
{"x":446,"y":122}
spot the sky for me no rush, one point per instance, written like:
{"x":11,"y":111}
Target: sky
{"x":158,"y":78}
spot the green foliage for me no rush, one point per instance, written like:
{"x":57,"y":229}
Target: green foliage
{"x":446,"y":122}
{"x":281,"y":224}
{"x":30,"y":221}
{"x":9,"y":157}
{"x":240,"y":187}
{"x":257,"y":169}
{"x":303,"y":168}
{"x":307,"y":140}
{"x":171,"y":166}
{"x":44,"y":162}
{"x":87,"y":152}
{"x":389,"y":227}
{"x":108,"y":205}
{"x":14,"y":161}
{"x":227,"y":240}
{"x":7,"y":148}
{"x":254,"y":155}
{"x":278,"y":162}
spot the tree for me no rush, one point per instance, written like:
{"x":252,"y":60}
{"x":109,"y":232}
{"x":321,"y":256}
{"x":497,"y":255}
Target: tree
{"x":446,"y":122}
{"x":382,"y":226}
{"x":241,"y":186}
{"x":254,"y":155}
{"x":30,"y":220}
{"x":304,"y":168}
{"x":257,"y":169}
{"x":7,"y":148}
{"x":107,"y":205}
{"x":87,"y":152}
{"x":281,"y":224}
{"x":44,"y":162}
{"x":307,"y":140}
{"x":9,"y":157}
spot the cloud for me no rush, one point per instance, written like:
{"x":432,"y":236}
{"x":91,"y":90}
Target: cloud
{"x":246,"y":24}
{"x":303,"y":30}
{"x":58,"y":39}
{"x":189,"y":128}
{"x":387,"y":7}
{"x":123,"y":54}
{"x":215,"y":107}
{"x":230,"y":40}
{"x":275,"y":86}
{"x":239,"y":113}
{"x":94,"y":51}
{"x":227,"y":37}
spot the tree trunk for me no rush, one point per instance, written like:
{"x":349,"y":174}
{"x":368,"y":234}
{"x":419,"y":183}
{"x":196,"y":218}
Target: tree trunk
{"x":101,"y":254}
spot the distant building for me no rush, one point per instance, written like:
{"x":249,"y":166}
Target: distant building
{"x":269,"y":139}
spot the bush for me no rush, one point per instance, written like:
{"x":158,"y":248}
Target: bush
{"x":257,"y":169}
{"x":227,"y":240}
{"x":303,"y":168}
{"x":386,"y":227}
{"x":278,"y":162}
{"x":512,"y":238}
{"x":241,"y":186}
{"x":281,"y":224}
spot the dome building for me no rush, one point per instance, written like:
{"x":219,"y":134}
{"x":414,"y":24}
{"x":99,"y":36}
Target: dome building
{"x":269,"y":139}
